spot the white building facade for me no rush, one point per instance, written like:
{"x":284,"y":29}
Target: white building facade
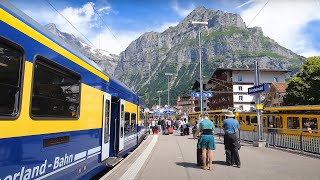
{"x":231,"y":87}
{"x":244,"y":79}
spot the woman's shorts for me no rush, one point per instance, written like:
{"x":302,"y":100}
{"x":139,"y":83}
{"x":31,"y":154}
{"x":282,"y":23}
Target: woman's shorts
{"x":206,"y":142}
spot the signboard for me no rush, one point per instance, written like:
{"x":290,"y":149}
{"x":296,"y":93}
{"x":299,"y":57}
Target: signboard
{"x":204,"y":94}
{"x":259,"y":106}
{"x":256,"y":89}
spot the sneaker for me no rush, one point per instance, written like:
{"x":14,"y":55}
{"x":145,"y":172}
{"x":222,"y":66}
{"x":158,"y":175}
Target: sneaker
{"x":238,"y":166}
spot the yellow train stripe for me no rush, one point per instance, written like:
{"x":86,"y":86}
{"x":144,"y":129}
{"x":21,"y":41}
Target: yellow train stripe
{"x":24,"y":28}
{"x":90,"y":113}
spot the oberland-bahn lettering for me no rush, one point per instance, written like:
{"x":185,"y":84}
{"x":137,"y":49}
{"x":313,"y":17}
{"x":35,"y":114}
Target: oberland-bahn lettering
{"x":27,"y":173}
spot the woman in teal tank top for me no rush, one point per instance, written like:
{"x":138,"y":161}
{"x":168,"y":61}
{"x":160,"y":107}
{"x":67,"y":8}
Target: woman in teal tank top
{"x":206,"y":141}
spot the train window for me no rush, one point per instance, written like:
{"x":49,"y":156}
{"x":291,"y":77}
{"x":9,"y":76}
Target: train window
{"x":247,"y":120}
{"x":293,"y":122}
{"x":133,"y":122}
{"x":265,"y":122}
{"x":309,"y":123}
{"x":122,"y":114}
{"x":254,"y":120}
{"x":107,"y":117}
{"x":241,"y":120}
{"x":11,"y":65}
{"x":127,"y":128}
{"x":56,"y":91}
{"x":279,"y":122}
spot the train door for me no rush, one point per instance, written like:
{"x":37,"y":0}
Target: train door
{"x":114,"y":127}
{"x":105,"y":127}
{"x":121,"y":127}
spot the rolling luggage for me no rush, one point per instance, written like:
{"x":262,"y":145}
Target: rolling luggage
{"x":166,"y":132}
{"x":199,"y":156}
{"x":170,"y":129}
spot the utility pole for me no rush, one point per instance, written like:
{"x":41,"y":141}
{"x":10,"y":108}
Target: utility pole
{"x":201,"y":86}
{"x":168,"y":74}
{"x":159,"y":98}
{"x":259,"y":113}
{"x":149,"y":73}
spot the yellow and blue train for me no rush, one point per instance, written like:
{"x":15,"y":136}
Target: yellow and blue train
{"x":61,"y":117}
{"x":298,"y":120}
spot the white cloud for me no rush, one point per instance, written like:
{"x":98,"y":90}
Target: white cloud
{"x":284,"y":21}
{"x":181,"y":11}
{"x":106,"y":8}
{"x":82,"y":18}
{"x":106,"y":41}
{"x":164,"y":26}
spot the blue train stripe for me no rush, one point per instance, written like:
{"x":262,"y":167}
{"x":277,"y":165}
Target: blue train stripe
{"x":58,"y":170}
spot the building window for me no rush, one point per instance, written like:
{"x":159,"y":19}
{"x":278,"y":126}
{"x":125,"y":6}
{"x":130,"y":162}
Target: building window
{"x":56,"y":91}
{"x":239,"y":78}
{"x":11,"y":63}
{"x":275,"y":79}
{"x":240,"y":88}
{"x":240,"y":107}
{"x":240,"y":98}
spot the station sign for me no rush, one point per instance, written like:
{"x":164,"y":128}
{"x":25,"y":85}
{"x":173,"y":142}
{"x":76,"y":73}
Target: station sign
{"x":204,"y":94}
{"x":257,"y":89}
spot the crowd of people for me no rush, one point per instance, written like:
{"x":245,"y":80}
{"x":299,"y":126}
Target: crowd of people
{"x":203,"y":130}
{"x":162,"y":123}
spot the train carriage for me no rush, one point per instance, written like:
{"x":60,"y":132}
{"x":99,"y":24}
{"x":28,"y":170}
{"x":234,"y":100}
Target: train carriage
{"x":61,"y":117}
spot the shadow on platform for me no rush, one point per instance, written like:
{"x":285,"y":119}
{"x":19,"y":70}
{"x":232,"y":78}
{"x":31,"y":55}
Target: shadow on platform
{"x":188,"y":165}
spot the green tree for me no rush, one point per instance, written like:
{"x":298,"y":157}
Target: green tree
{"x":304,"y":88}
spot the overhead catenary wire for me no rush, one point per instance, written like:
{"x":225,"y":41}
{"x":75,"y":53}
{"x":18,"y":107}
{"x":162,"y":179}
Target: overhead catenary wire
{"x":258,"y":13}
{"x":70,"y":23}
{"x":97,"y":12}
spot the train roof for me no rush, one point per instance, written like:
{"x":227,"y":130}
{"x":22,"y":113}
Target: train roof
{"x":294,"y":108}
{"x":34,"y":24}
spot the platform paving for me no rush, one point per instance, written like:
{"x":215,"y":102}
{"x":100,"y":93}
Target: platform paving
{"x":174,"y":157}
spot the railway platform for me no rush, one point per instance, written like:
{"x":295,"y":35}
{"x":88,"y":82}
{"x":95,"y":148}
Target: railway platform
{"x":164,"y":157}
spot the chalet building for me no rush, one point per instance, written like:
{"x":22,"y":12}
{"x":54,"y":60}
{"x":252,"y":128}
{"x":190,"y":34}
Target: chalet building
{"x":186,"y":104}
{"x":230,"y":86}
{"x":275,"y":96}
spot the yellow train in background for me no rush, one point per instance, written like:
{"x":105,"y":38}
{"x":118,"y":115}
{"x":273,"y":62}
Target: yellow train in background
{"x":286,"y":119}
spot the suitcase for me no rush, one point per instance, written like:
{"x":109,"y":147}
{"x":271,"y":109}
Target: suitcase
{"x":199,"y":156}
{"x":170,"y":129}
{"x":166,"y":132}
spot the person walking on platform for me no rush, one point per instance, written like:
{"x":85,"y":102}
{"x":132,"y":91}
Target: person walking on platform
{"x":231,"y":145}
{"x":206,"y":141}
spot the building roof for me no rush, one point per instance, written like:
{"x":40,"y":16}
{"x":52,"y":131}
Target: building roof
{"x":244,"y":69}
{"x":280,"y":86}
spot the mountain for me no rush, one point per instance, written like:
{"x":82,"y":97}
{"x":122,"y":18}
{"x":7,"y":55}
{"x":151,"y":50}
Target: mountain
{"x":106,"y":60}
{"x":226,"y":42}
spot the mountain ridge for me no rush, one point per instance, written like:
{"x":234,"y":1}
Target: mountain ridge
{"x":104,"y":59}
{"x":226,"y":42}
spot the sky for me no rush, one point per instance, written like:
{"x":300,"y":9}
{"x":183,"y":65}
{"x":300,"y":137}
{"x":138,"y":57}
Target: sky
{"x":112,"y":25}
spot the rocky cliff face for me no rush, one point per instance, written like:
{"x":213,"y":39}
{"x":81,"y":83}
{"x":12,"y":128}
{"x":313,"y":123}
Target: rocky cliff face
{"x":106,"y":60}
{"x":226,"y":42}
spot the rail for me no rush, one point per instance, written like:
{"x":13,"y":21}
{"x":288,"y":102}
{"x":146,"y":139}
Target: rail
{"x":298,"y":140}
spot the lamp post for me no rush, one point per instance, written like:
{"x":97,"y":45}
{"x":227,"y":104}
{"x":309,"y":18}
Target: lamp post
{"x":201,"y":86}
{"x":168,"y":74}
{"x":159,"y":97}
